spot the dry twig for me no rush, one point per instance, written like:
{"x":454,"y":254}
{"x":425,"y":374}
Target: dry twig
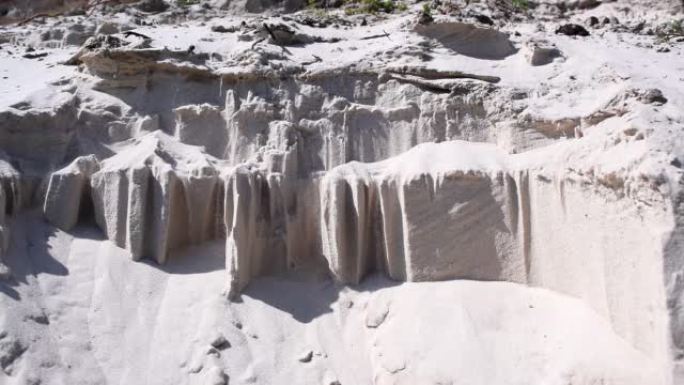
{"x":429,"y":73}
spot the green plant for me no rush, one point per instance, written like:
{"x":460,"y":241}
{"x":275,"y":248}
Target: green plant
{"x":401,"y":6}
{"x":375,"y":6}
{"x":426,"y":10}
{"x":372,"y":6}
{"x":186,"y":3}
{"x":520,"y":4}
{"x":666,"y":31}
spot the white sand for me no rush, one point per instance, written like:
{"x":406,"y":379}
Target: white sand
{"x":327,"y":213}
{"x":118,"y":322}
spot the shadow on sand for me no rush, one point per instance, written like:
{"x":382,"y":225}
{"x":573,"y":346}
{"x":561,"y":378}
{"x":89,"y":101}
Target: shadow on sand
{"x":30,"y":253}
{"x":304,"y":298}
{"x":305,"y":295}
{"x":197,"y":259}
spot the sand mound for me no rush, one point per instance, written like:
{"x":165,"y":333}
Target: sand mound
{"x":469,"y":39}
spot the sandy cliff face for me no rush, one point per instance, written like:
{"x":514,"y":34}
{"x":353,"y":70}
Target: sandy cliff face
{"x":10,"y":202}
{"x":156,"y":196}
{"x":463,"y":148}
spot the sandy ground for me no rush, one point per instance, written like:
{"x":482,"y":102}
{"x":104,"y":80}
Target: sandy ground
{"x":91,"y":316}
{"x":546,"y":203}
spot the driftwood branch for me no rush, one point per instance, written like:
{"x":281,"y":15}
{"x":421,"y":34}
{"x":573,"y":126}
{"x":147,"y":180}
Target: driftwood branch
{"x":36,"y":16}
{"x":35,"y":55}
{"x":257,"y":42}
{"x":275,"y":39}
{"x":316,"y":59}
{"x":137,"y":34}
{"x":268,"y":29}
{"x":421,"y":83}
{"x":428,"y":73}
{"x":384,"y":34}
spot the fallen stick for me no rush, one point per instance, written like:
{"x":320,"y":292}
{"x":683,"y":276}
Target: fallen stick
{"x":35,"y":55}
{"x":428,"y":73}
{"x":275,"y":39}
{"x":316,"y":59}
{"x":420,"y":83}
{"x":37,"y":15}
{"x":384,"y":34}
{"x":257,"y":42}
{"x":137,"y":34}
